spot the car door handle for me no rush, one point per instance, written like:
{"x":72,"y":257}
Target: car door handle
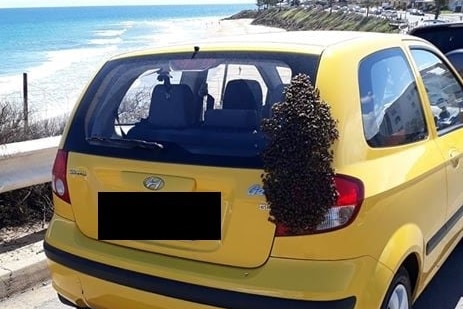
{"x":454,"y":157}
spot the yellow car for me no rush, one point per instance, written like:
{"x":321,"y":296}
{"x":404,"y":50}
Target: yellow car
{"x":158,"y":195}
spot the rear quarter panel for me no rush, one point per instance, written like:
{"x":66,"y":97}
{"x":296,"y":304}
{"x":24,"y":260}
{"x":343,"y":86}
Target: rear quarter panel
{"x":405,"y":193}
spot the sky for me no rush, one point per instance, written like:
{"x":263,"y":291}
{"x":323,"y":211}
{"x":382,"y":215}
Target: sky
{"x":57,"y":3}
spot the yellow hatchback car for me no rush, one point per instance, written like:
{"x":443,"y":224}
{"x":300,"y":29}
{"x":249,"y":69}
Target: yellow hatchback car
{"x":158,"y":195}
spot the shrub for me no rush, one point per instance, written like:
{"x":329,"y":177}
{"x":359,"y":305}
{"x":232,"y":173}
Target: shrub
{"x":27,"y":205}
{"x":31,"y":204}
{"x":12,"y":125}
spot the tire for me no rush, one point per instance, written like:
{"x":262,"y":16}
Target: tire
{"x":398,"y":295}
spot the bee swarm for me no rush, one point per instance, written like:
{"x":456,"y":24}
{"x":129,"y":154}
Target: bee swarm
{"x":298,"y":178}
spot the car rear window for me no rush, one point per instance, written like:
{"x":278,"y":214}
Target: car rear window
{"x":190,"y":108}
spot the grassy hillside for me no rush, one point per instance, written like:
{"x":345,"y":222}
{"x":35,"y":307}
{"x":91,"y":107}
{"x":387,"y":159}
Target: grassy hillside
{"x":315,"y":19}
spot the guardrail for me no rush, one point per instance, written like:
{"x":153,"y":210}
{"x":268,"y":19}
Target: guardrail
{"x":27,"y":163}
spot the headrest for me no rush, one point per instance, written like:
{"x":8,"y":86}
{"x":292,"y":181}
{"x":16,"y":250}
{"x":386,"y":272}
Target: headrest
{"x":172,"y":106}
{"x":243,"y":94}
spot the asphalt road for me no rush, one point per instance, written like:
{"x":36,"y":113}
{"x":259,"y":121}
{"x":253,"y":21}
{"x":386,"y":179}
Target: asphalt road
{"x":444,"y":291}
{"x":446,"y":288}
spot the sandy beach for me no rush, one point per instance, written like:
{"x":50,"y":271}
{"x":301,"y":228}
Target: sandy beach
{"x":55,"y":85}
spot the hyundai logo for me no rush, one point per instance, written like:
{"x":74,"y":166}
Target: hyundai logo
{"x":153,"y":183}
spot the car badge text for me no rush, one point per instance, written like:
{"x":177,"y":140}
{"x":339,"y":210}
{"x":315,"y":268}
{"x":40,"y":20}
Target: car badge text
{"x":255,"y":190}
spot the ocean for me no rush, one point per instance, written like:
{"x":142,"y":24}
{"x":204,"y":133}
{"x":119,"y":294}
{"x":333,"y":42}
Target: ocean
{"x":61,"y":48}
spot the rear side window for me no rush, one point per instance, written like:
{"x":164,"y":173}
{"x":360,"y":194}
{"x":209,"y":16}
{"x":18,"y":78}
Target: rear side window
{"x":177,"y":108}
{"x":392,"y":112}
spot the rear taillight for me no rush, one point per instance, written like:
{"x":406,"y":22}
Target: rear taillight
{"x":58,"y":181}
{"x":350,"y":197}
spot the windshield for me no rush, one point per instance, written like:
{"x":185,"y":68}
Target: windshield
{"x":205,"y":108}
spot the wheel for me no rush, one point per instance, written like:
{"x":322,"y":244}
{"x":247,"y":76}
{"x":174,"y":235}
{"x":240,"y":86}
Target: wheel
{"x":398,"y":295}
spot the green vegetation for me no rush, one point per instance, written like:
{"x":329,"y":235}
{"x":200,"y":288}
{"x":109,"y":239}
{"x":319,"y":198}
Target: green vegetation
{"x":297,"y":18}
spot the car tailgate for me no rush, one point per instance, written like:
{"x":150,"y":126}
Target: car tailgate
{"x":247,"y":235}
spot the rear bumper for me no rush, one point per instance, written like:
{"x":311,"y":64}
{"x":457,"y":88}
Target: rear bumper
{"x":101,"y":275}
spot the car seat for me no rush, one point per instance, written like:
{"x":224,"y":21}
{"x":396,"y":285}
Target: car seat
{"x":241,"y":107}
{"x":172,"y":107}
{"x":243,"y":94}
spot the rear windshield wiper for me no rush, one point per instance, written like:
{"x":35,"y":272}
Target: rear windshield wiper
{"x":124,"y":143}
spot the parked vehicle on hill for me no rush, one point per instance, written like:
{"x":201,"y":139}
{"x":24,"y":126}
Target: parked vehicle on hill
{"x":390,"y":14}
{"x":446,"y":37}
{"x":158,"y":195}
{"x":376,"y":10}
{"x":416,"y":12}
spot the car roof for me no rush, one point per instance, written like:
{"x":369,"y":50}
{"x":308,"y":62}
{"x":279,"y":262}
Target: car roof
{"x":436,"y":26}
{"x":443,"y":35}
{"x":314,"y":41}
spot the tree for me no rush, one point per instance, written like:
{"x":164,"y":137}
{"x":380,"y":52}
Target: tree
{"x":368,"y":7}
{"x":439,"y":4}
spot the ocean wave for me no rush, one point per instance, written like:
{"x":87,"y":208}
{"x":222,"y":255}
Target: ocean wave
{"x":129,"y":23}
{"x":110,"y":41}
{"x":54,"y":85}
{"x":59,"y":67}
{"x":109,"y":33}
